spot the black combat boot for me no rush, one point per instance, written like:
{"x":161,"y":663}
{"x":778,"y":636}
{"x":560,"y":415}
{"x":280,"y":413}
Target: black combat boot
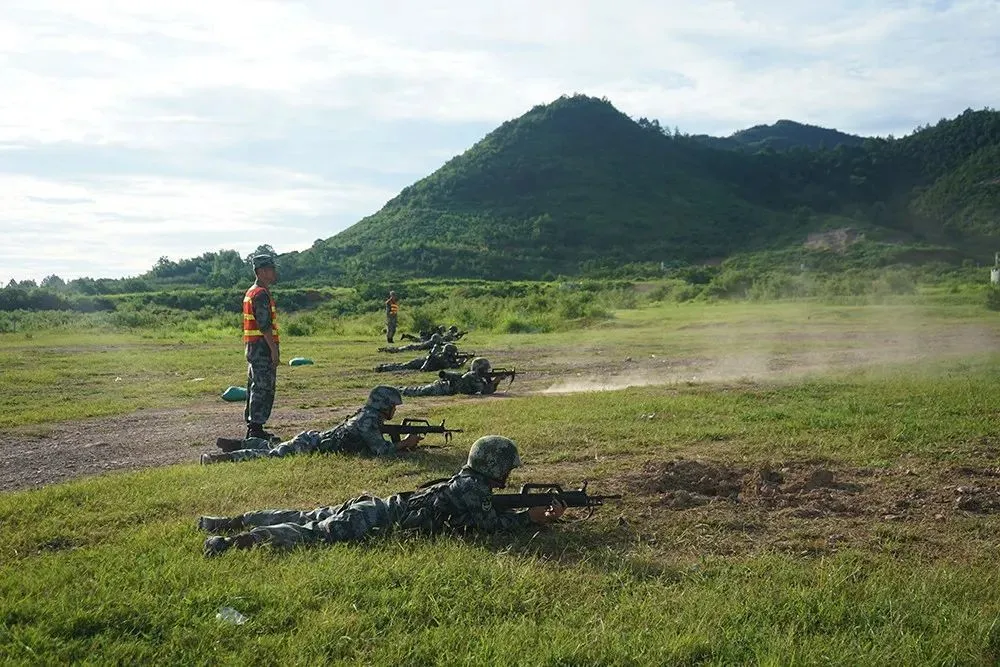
{"x":229,"y":444}
{"x":257,"y":431}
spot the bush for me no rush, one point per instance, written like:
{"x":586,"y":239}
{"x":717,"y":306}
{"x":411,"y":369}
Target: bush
{"x":993,"y":298}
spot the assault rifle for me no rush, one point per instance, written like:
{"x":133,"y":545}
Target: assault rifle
{"x":497,"y":374}
{"x":540,"y":495}
{"x":397,"y":432}
{"x":464,"y":357}
{"x":543,"y":495}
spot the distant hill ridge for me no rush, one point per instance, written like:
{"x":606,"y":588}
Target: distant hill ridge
{"x":576,"y":184}
{"x":782,"y":136}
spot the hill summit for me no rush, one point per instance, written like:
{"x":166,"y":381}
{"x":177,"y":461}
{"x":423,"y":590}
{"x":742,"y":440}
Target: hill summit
{"x":568,"y":182}
{"x":576,"y":183}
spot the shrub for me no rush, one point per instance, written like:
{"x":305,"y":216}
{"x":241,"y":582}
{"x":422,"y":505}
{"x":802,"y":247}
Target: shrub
{"x":993,"y":298}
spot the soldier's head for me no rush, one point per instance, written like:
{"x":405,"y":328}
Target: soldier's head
{"x":453,"y":329}
{"x":494,"y":456}
{"x":385,"y":399}
{"x":437,"y":339}
{"x":451,"y":349}
{"x":481,"y":366}
{"x":265,"y":269}
{"x":392,"y":295}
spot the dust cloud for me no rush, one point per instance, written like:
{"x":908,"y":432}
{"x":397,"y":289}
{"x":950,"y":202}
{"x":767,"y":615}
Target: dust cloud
{"x":791,"y":351}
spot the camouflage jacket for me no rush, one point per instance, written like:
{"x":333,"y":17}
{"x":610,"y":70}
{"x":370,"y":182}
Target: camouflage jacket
{"x":359,"y":434}
{"x":468,"y":383}
{"x":462,"y":503}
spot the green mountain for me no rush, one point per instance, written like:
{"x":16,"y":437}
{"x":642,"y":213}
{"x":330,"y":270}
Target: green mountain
{"x":569,"y":182}
{"x":576,"y":184}
{"x":782,"y":136}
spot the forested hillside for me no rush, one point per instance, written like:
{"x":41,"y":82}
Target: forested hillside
{"x":577,"y":184}
{"x":576,"y":187}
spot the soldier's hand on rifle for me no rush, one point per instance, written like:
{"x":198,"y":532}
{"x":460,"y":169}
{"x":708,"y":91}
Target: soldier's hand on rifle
{"x":548,"y":514}
{"x":410,"y":441}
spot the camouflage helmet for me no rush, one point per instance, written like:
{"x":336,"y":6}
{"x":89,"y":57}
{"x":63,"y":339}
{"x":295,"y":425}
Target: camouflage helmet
{"x":453,"y":329}
{"x":494,"y":456}
{"x":262,"y":261}
{"x":437,"y":338}
{"x":451,"y":348}
{"x":384,"y":397}
{"x":481,"y":365}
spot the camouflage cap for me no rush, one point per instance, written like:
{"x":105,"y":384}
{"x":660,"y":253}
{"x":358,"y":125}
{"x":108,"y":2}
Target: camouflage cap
{"x":262,"y":261}
{"x":451,"y":348}
{"x":437,"y":338}
{"x":384,"y":397}
{"x":480,"y":365}
{"x":494,"y":456}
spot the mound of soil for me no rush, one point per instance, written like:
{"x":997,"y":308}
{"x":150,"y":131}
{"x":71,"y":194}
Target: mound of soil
{"x":687,"y":483}
{"x":802,"y":489}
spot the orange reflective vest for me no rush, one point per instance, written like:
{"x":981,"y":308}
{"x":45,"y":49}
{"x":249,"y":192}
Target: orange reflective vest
{"x":391,"y":307}
{"x":250,"y":330}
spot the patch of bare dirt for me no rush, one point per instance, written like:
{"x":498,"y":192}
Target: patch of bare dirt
{"x":143,"y":439}
{"x":811,"y":490}
{"x":811,"y":507}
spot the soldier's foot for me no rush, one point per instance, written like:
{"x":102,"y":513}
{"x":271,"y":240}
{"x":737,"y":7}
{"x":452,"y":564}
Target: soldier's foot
{"x":210,"y":458}
{"x":256,"y":431}
{"x":229,"y":444}
{"x":216,"y":545}
{"x":220,"y":524}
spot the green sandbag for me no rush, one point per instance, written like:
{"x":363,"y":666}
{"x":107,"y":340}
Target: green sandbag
{"x":300,"y":361}
{"x":234,"y":394}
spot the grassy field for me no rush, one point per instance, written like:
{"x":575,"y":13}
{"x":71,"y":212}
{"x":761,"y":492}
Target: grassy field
{"x":891,"y":559}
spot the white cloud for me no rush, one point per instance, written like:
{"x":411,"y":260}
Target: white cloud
{"x":108,"y":227}
{"x":367,"y":97}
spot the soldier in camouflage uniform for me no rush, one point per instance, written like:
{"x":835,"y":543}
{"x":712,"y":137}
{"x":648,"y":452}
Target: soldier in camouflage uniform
{"x":439,"y":358}
{"x":436,"y":339}
{"x":358,"y":434}
{"x":462,"y":503}
{"x":260,"y":334}
{"x":453,"y":334}
{"x":476,"y":381}
{"x":391,"y":316}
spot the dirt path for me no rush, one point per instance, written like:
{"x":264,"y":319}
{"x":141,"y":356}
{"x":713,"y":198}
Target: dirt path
{"x":150,"y":438}
{"x":142,"y":439}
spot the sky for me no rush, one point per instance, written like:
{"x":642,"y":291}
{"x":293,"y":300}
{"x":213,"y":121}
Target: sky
{"x":132,"y":130}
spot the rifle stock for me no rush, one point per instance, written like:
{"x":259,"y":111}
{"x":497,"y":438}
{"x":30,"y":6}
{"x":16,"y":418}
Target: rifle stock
{"x":543,"y":495}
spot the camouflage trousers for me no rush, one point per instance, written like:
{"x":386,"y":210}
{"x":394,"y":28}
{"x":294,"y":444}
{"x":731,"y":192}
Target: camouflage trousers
{"x":360,"y":517}
{"x":305,"y":442}
{"x":390,"y":327}
{"x":412,"y":365}
{"x":439,"y":388}
{"x":261,"y":381}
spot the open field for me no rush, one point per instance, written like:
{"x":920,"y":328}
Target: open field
{"x":804,"y":483}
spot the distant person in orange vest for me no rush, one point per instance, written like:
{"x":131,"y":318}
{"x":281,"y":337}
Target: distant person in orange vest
{"x":391,"y":316}
{"x":260,"y":334}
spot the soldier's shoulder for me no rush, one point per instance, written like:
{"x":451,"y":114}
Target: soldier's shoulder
{"x":466,"y":482}
{"x":363,"y":416}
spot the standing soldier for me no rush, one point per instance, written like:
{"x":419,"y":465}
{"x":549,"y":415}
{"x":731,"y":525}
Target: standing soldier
{"x":391,"y":315}
{"x":260,"y":333}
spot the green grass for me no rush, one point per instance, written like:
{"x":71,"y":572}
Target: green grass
{"x":108,"y":569}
